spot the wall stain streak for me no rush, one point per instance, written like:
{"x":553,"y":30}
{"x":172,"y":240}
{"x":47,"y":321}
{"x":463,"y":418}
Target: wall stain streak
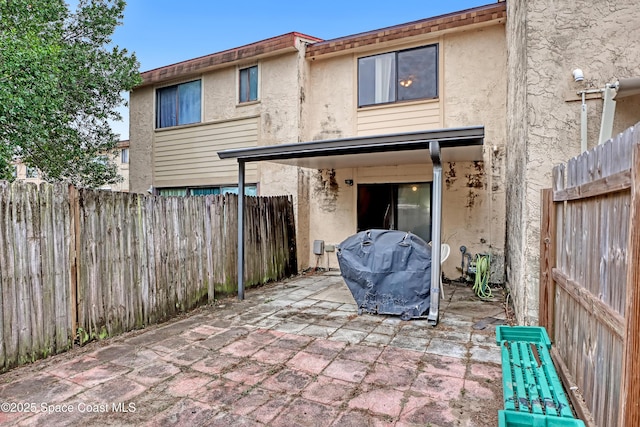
{"x":328,"y":127}
{"x":476,"y":180}
{"x":450,"y":175}
{"x":326,"y":189}
{"x":471,"y":199}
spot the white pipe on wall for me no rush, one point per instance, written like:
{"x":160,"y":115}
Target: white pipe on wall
{"x":583,"y":124}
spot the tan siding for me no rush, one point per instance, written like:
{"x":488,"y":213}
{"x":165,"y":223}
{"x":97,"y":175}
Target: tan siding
{"x":188,"y":156}
{"x":399,"y":118}
{"x":404,"y":173}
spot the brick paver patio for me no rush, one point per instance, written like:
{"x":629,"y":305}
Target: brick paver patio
{"x":294,"y":353}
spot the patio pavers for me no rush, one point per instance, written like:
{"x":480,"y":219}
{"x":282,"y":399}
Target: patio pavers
{"x":294,"y":353}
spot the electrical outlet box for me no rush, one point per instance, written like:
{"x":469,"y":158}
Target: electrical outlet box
{"x":329,"y":248}
{"x":318,"y":247}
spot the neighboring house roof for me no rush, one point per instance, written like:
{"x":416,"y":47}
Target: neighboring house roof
{"x":268,"y":47}
{"x":123,"y":144}
{"x":448,"y":22}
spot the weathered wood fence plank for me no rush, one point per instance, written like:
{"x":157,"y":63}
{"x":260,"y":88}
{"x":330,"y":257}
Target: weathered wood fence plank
{"x":548,"y":262}
{"x":630,"y":414}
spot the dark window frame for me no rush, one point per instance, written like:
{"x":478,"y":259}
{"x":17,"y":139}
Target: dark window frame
{"x":398,"y":86}
{"x":176,"y":119}
{"x":250,"y":94}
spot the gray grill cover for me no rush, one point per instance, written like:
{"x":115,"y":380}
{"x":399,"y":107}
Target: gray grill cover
{"x":388,"y":272}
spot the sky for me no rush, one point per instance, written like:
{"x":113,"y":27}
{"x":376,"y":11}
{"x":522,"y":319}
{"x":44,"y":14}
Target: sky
{"x":163,"y":32}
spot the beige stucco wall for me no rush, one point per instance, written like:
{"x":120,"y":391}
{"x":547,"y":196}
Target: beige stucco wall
{"x":330,"y":103}
{"x":546,"y":41}
{"x":141,"y":117}
{"x":516,"y":150}
{"x":282,"y":98}
{"x":473,"y":92}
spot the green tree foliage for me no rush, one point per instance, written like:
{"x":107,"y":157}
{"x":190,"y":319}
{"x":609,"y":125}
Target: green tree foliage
{"x":60,"y":83}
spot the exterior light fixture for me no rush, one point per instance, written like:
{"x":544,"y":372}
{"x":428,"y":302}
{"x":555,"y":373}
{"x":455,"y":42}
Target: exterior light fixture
{"x":349,"y":182}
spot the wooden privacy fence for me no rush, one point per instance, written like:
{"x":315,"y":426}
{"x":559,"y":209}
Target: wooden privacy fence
{"x":590,"y":278}
{"x":84,"y":264}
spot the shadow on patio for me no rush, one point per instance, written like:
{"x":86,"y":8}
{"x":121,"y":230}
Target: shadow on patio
{"x":293,"y":353}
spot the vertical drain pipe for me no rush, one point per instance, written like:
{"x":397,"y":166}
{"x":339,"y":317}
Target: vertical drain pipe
{"x":240,"y":229}
{"x":583,"y":115}
{"x":583,"y":123}
{"x":436,"y":227}
{"x":608,"y":111}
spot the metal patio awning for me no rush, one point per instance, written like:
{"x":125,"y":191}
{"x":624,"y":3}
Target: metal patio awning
{"x":456,"y":144}
{"x":434,"y":146}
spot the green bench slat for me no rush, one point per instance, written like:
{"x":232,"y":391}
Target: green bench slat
{"x":507,"y":380}
{"x":556,"y":385}
{"x":545,"y":389}
{"x":521,"y":399}
{"x":530,"y":379}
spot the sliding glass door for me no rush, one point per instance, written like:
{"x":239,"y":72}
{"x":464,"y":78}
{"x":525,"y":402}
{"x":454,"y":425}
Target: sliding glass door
{"x":405,"y":207}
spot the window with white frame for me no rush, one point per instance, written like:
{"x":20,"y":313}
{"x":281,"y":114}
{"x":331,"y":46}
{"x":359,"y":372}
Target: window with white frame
{"x":398,"y":76}
{"x":248,"y":84}
{"x":178,"y":104}
{"x":124,"y":155}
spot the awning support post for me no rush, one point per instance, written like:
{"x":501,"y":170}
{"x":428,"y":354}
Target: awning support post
{"x":240,"y":230}
{"x":436,"y":227}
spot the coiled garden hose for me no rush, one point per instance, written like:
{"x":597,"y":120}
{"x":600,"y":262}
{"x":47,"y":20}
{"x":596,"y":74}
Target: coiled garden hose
{"x":481,"y":286}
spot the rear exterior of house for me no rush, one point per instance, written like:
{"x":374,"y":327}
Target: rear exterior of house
{"x":182,"y":114}
{"x":437,"y":73}
{"x":440,"y":73}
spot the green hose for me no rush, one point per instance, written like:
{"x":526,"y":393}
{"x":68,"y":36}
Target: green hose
{"x":481,"y":286}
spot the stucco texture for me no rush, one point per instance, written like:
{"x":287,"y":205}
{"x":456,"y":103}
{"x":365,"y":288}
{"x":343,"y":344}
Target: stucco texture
{"x":141,"y":118}
{"x":546,"y":40}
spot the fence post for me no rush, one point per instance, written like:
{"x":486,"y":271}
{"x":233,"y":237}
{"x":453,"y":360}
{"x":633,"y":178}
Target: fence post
{"x":547,"y":262}
{"x":74,"y":250}
{"x":630,"y":405}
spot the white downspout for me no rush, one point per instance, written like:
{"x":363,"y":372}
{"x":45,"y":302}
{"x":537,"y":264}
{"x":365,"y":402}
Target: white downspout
{"x":436,"y":228}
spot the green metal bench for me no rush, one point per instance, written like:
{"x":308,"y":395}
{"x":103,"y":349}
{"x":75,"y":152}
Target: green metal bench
{"x":533,"y":393}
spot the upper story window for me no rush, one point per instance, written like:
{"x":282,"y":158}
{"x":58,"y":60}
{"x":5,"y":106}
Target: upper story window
{"x":124,"y":156}
{"x":398,"y":76}
{"x":248,"y":84}
{"x":178,"y":104}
